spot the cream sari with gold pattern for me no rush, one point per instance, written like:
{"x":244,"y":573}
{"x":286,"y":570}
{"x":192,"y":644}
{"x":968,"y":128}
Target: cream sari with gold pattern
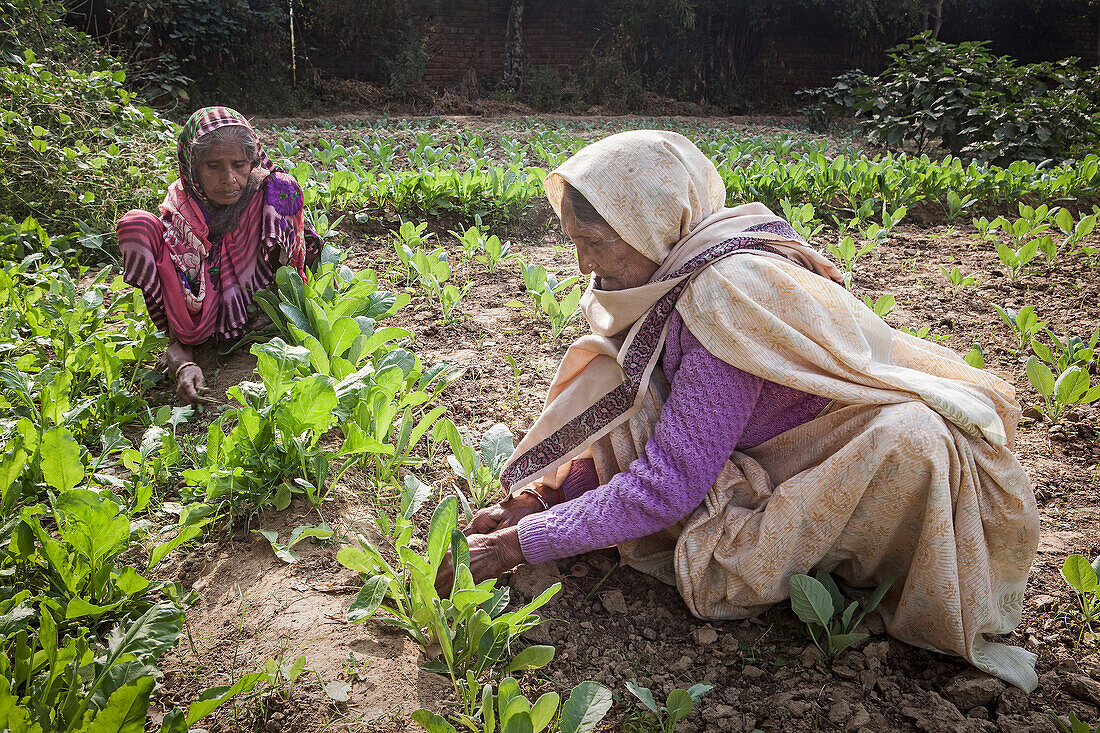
{"x":910,"y":471}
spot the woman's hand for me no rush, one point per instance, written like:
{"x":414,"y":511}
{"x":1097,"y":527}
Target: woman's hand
{"x":491,"y":555}
{"x":191,"y":387}
{"x":503,"y":515}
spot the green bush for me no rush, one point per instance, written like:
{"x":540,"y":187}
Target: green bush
{"x":75,"y":145}
{"x":972,"y":103}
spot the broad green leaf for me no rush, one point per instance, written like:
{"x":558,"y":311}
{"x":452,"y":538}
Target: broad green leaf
{"x":840,"y":642}
{"x":679,"y":706}
{"x":542,"y":712}
{"x":369,"y":598}
{"x":61,"y":464}
{"x":186,"y":534}
{"x":125,"y":710}
{"x":834,"y":592}
{"x":93,"y":524}
{"x":174,"y":722}
{"x":533,"y":657}
{"x":1071,"y":385}
{"x":975,"y":357}
{"x":507,"y":690}
{"x":518,"y":722}
{"x":1042,"y":351}
{"x":643,"y":694}
{"x":342,"y":336}
{"x":496,"y":447}
{"x":413,"y":496}
{"x":846,"y":616}
{"x":431,"y":722}
{"x":354,"y":558}
{"x":77,"y":607}
{"x":1080,"y":574}
{"x":305,"y":531}
{"x":311,"y":405}
{"x":1040,"y":376}
{"x":698,"y":690}
{"x":283,"y":496}
{"x":492,"y":645}
{"x":444,"y":519}
{"x":211,"y":699}
{"x":587,"y":705}
{"x":518,"y":705}
{"x":460,"y":553}
{"x":810,"y":600}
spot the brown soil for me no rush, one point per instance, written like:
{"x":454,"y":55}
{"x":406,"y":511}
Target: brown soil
{"x":613,"y":624}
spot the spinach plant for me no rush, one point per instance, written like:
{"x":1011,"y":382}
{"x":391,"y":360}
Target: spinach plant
{"x":1024,"y":322}
{"x":1076,"y":725}
{"x":1073,"y":351}
{"x":957,"y":278}
{"x":678,"y":705}
{"x":1081,"y":576}
{"x":1069,"y":388}
{"x":561,"y":312}
{"x":433,"y":272}
{"x":479,"y":467}
{"x":820,"y":605}
{"x":334,"y":315}
{"x":472,"y":628}
{"x":1016,"y":259}
{"x":882,"y":305}
{"x":508,"y":709}
{"x":848,"y":253}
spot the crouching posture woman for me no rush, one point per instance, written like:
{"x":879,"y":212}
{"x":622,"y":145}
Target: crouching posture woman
{"x":737,"y":417}
{"x":224,"y":228}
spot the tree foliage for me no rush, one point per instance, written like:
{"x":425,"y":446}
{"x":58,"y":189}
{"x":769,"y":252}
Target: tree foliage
{"x":971,"y":102}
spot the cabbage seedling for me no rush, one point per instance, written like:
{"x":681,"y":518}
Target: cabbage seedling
{"x":819,"y":604}
{"x":678,"y":706}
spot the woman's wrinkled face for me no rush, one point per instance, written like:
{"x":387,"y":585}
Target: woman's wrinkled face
{"x":224,"y":174}
{"x":617,"y":265}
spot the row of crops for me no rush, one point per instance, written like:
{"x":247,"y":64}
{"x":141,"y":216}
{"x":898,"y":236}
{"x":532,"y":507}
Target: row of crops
{"x":99,"y":485}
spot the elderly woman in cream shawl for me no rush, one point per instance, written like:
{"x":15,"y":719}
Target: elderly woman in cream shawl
{"x":736,"y":417}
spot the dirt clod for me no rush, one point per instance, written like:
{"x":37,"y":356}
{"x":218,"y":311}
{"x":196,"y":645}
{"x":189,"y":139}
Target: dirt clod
{"x":1083,"y":687}
{"x":613,"y":602}
{"x":705,"y":636}
{"x":970,"y":690}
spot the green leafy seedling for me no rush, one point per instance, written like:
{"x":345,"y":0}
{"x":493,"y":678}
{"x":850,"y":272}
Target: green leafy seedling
{"x":957,"y":278}
{"x":820,"y":605}
{"x":283,"y":552}
{"x":1076,"y":725}
{"x":678,"y":705}
{"x":975,"y":357}
{"x":1081,"y":576}
{"x":1024,"y":323}
{"x":1069,"y":388}
{"x":882,"y":305}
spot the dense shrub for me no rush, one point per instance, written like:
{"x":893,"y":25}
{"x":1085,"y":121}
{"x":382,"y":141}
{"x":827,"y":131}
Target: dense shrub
{"x":230,"y":51}
{"x":75,"y":145}
{"x":969,"y":101}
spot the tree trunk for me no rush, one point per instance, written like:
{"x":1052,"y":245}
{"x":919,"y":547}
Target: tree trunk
{"x":513,"y":45}
{"x":939,"y":20}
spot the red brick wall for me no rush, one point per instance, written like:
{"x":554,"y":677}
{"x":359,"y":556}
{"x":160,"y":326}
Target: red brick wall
{"x":469,"y":34}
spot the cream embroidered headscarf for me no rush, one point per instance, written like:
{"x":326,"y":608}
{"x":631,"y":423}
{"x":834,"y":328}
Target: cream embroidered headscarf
{"x":666,"y":199}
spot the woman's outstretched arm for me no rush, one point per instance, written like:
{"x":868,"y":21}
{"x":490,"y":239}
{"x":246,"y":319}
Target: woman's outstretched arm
{"x":700,"y":425}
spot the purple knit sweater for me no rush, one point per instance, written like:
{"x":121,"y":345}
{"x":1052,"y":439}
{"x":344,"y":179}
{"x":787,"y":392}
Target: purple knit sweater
{"x":712,"y":409}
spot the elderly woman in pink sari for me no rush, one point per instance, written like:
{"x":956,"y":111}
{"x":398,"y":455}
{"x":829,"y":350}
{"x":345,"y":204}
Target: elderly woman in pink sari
{"x":737,"y":416}
{"x":224,"y":228}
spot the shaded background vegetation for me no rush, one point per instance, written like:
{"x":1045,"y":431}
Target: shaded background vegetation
{"x":740,"y":56}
